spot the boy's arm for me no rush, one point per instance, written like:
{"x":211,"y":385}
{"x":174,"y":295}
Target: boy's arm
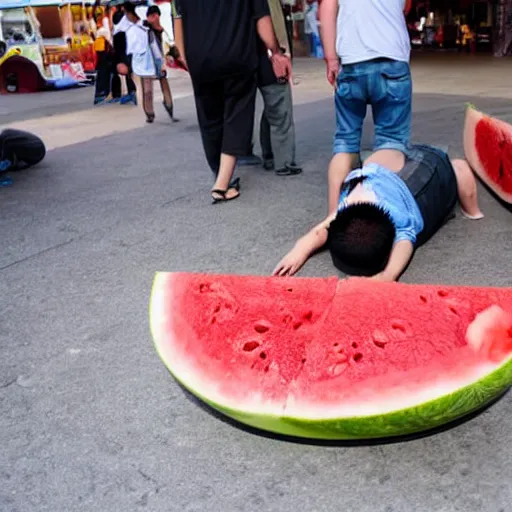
{"x":399,"y":258}
{"x":303,"y":249}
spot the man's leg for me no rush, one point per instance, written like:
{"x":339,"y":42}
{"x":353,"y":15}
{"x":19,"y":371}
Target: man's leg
{"x":239,"y":105}
{"x":350,"y":104}
{"x":279,"y":112}
{"x":390,"y":91}
{"x":266,"y":143}
{"x":466,"y":188}
{"x":209,"y":100}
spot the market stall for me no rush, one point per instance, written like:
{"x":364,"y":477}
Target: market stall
{"x":38,"y":55}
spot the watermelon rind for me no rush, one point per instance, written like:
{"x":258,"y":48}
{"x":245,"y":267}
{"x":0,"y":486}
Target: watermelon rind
{"x":421,"y":417}
{"x":472,"y":118}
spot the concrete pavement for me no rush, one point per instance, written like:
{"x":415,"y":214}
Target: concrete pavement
{"x":90,"y":420}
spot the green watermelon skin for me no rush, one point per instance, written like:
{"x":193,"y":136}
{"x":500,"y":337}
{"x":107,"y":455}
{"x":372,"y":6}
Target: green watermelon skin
{"x":422,"y":417}
{"x":413,"y":420}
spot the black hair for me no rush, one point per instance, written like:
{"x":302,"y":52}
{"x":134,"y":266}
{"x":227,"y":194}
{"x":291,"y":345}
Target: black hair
{"x":153,"y":9}
{"x":129,"y":7}
{"x":360,"y":239}
{"x":118,"y":16}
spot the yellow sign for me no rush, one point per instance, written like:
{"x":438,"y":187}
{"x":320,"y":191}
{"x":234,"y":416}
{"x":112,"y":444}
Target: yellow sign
{"x":10,"y":53}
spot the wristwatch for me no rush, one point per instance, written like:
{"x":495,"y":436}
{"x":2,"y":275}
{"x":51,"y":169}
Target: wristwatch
{"x":270,"y":53}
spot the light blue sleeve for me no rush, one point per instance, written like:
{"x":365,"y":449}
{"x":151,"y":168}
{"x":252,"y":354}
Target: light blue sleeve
{"x":408,"y":234}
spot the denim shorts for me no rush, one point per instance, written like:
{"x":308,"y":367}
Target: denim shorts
{"x":384,"y":84}
{"x":429,"y":175}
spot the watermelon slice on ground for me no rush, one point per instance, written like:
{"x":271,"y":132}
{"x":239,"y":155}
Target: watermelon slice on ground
{"x":329,"y":359}
{"x":488,"y":149}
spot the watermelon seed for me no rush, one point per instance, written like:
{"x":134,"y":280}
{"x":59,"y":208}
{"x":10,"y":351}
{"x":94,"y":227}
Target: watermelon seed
{"x":354,"y":345}
{"x":297,"y":326}
{"x":289,"y":289}
{"x":217,"y":309}
{"x":379,"y":344}
{"x":287,"y":319}
{"x":336,"y":344}
{"x":442,"y":293}
{"x":263,"y":355}
{"x":357,"y":357}
{"x":261,"y":327}
{"x":338,"y":368}
{"x":204,"y":288}
{"x":250,"y":346}
{"x":423,"y":299}
{"x":398,"y":327}
{"x":214,"y":319}
{"x":453,"y":310}
{"x":308,"y":315}
{"x":303,"y":360}
{"x":266,"y":368}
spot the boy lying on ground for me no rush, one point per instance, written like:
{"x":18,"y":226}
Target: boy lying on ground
{"x":387,"y":209}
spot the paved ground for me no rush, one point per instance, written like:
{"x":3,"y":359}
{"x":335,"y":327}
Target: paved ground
{"x":90,"y":420}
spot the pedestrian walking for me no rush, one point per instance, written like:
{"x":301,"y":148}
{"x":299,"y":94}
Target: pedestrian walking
{"x":371,"y":39}
{"x":277,"y":130}
{"x":123,"y":86}
{"x":161,"y":47}
{"x":218,"y":42}
{"x":104,"y":63}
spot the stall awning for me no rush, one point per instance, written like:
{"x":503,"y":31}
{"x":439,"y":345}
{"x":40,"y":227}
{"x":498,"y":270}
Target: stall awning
{"x":18,"y":4}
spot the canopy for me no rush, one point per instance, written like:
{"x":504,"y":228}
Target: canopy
{"x":17,"y":4}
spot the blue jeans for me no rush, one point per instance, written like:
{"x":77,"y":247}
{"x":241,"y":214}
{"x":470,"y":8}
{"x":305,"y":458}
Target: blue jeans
{"x":384,"y":84}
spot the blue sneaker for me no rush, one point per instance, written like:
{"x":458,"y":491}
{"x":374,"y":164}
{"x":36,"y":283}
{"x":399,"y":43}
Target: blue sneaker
{"x":129,"y":98}
{"x":4,"y":165}
{"x":5,"y":181}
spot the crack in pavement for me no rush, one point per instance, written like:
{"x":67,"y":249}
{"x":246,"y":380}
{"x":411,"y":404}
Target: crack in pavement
{"x":8,"y":383}
{"x":48,"y":249}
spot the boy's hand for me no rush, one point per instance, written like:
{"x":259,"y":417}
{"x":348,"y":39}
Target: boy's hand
{"x":291,"y":263}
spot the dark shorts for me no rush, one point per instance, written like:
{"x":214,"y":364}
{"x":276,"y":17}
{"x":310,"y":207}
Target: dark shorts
{"x":429,"y":175}
{"x":225,"y":112}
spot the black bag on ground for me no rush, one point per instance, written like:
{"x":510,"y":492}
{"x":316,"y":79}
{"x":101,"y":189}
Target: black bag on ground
{"x":22,"y":149}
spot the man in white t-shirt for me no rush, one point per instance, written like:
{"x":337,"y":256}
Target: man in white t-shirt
{"x":371,"y":40}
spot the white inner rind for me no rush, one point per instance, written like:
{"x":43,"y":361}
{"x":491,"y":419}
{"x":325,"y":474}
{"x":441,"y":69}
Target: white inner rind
{"x":386,"y":400}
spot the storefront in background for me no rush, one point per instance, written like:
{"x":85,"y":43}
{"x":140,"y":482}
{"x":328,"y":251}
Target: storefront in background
{"x":463,"y":25}
{"x":303,"y":27}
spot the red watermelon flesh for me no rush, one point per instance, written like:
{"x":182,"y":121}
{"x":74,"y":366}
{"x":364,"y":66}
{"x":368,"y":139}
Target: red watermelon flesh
{"x":488,"y":149}
{"x":334,"y":359}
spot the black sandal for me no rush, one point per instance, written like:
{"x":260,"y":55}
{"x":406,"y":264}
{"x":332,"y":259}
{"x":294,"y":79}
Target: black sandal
{"x":222,"y":193}
{"x":150,"y":118}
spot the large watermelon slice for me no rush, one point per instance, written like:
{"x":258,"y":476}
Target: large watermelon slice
{"x":323,"y":358}
{"x":488,"y":149}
